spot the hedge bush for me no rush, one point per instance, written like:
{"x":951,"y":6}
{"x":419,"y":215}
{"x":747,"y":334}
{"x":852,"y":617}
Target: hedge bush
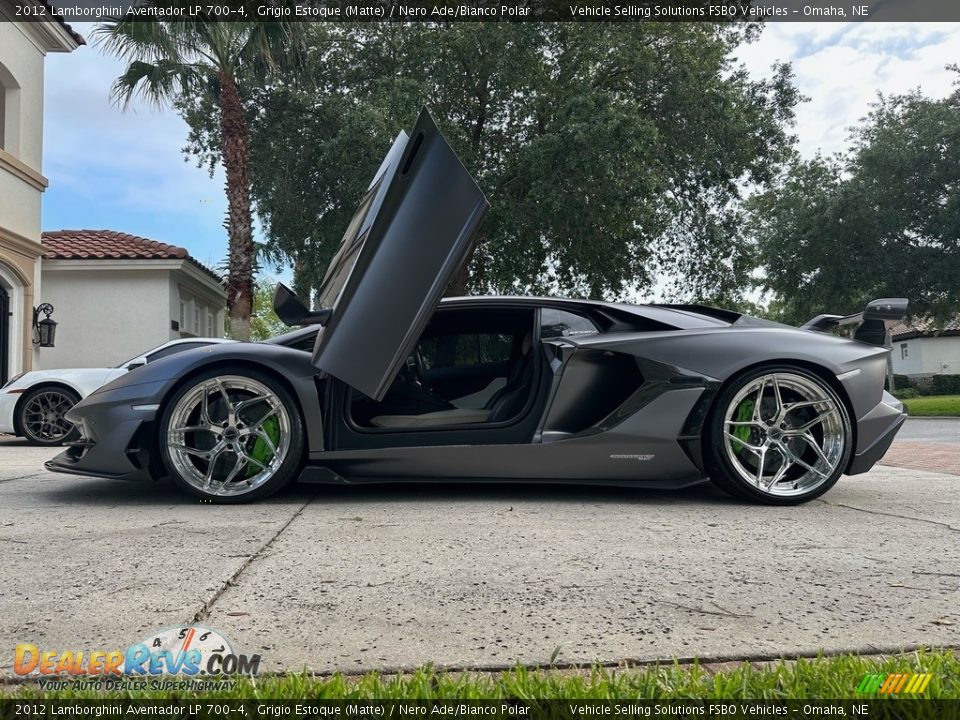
{"x":929,"y":385}
{"x":906,"y":394}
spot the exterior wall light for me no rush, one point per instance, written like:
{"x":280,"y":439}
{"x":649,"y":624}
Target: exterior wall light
{"x":44,"y":330}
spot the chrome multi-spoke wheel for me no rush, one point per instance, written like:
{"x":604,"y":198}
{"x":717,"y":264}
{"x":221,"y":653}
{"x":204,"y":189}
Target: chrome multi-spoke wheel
{"x":42,"y":414}
{"x":783,"y":434}
{"x":231,"y":436}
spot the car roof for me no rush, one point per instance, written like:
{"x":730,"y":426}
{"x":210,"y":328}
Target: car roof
{"x":679,"y":316}
{"x":182,"y":341}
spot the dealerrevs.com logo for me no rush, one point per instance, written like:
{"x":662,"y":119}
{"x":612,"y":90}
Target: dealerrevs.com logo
{"x":191,"y":651}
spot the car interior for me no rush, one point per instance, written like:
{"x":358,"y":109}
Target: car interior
{"x":469,"y":366}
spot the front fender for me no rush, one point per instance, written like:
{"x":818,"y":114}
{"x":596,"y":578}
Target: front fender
{"x":148,"y":387}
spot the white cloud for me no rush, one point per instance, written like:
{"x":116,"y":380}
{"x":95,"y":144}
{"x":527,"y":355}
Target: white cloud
{"x":123,"y":169}
{"x":841,"y":67}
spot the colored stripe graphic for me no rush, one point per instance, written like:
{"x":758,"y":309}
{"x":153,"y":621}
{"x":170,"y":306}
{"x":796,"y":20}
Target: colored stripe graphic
{"x":892,"y":679}
{"x":895,"y":683}
{"x":871,"y":682}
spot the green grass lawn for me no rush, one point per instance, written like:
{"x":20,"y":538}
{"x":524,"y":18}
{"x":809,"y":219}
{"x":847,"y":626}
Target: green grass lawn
{"x":817,"y":678}
{"x":944,"y":405}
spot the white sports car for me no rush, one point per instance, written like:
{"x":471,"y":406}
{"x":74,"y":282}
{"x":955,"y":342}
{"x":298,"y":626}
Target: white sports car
{"x":33,"y":404}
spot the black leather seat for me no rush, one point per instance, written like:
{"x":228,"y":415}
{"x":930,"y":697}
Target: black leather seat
{"x":510,"y":399}
{"x":503,"y":405}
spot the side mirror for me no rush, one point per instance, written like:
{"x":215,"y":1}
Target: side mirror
{"x":293,"y":311}
{"x":288,"y":307}
{"x":135,"y":364}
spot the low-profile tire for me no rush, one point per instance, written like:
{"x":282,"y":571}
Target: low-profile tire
{"x":231,"y":435}
{"x":778,"y":435}
{"x":40,"y":416}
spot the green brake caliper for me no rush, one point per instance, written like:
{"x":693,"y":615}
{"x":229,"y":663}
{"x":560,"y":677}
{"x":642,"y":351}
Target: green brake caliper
{"x":744,"y":414}
{"x":261,"y":451}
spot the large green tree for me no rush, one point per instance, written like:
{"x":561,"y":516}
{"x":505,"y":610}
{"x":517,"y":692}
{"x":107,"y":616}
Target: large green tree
{"x":613,"y":154}
{"x":882,"y":220}
{"x":172,"y":60}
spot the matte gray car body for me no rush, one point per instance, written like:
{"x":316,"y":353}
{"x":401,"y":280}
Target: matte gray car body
{"x":652,"y":439}
{"x":642,"y":401}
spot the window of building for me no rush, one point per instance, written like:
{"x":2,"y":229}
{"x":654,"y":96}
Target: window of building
{"x":904,"y":351}
{"x":196,"y":319}
{"x":183,"y":315}
{"x":211,"y":325}
{"x":9,"y":112}
{"x":3,"y":113}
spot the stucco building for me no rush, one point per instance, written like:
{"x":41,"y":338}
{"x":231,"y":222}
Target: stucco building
{"x":117,"y":295}
{"x":922,"y":348}
{"x":23,"y":47}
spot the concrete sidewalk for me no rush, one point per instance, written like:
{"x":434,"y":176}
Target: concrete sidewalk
{"x":354,"y":578}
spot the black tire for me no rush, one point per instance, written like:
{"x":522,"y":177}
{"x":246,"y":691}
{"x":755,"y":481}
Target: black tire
{"x":283,"y":475}
{"x":40,"y":414}
{"x":721,"y":468}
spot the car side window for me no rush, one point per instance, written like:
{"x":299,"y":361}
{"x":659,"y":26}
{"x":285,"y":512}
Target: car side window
{"x":466,"y":349}
{"x":173,"y":349}
{"x":556,"y":323}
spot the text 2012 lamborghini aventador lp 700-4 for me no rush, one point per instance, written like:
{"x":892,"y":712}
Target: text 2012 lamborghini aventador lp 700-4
{"x":389,"y":383}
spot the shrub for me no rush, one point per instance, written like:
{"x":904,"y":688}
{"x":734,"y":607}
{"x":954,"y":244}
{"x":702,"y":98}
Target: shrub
{"x":906,"y":394}
{"x":945,"y":385}
{"x":928,"y":384}
{"x":902,"y":381}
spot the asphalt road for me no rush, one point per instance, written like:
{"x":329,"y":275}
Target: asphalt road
{"x":479,"y":576}
{"x":932,"y":430}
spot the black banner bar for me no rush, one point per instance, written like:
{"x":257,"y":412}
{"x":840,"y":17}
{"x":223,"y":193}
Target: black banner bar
{"x":494,"y":10}
{"x":213,"y":709}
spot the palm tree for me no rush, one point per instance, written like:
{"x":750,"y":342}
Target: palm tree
{"x":167,"y":60}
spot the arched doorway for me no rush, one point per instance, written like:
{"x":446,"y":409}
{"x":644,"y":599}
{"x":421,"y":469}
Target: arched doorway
{"x":11,"y":323}
{"x":4,"y":335}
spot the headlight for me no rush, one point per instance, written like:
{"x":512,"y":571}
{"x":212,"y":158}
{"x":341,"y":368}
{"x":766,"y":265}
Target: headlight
{"x":12,"y":380}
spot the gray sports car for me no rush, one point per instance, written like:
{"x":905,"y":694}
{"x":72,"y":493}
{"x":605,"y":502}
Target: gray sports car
{"x":389,"y":383}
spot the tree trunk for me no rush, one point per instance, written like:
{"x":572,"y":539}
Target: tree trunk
{"x":458,"y":284}
{"x":236,"y":162}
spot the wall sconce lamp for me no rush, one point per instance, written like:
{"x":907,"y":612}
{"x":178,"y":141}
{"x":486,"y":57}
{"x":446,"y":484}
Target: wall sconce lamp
{"x":46,"y":329}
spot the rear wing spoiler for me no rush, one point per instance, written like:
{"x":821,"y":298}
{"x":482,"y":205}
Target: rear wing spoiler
{"x":872,"y":323}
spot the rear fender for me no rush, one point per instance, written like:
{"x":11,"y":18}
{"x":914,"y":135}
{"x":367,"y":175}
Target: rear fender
{"x":720,"y":354}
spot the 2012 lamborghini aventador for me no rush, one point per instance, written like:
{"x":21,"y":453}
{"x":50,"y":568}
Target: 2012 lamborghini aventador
{"x":403,"y":386}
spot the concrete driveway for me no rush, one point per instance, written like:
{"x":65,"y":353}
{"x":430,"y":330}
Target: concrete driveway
{"x":346,"y":578}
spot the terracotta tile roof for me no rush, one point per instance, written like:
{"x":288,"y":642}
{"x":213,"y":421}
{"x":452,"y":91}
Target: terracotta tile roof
{"x":111,"y":245}
{"x":86,"y":244}
{"x":77,"y":37}
{"x":925,"y":327}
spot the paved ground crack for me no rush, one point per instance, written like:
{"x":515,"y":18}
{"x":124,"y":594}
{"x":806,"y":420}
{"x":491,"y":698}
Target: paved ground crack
{"x":948,"y":526}
{"x":25,"y":477}
{"x":204,"y":612}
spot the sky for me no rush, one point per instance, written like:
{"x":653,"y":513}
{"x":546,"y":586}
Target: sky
{"x":124,"y":170}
